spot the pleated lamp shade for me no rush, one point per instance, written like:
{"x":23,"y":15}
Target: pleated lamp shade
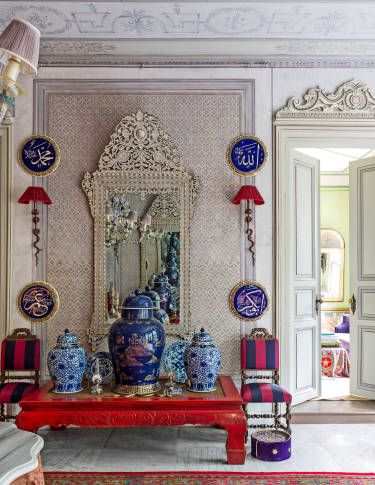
{"x":248,"y":192}
{"x":21,"y":40}
{"x":34,"y":194}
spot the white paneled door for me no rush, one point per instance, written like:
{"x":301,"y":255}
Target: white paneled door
{"x":362,"y":277}
{"x":304,"y":263}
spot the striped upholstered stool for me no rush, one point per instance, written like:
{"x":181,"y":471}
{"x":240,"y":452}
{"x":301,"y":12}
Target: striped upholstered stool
{"x":260,"y":352}
{"x":19,"y":352}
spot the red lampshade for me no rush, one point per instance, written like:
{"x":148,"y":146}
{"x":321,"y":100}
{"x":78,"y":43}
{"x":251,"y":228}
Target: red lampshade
{"x":34,"y":194}
{"x":248,"y":192}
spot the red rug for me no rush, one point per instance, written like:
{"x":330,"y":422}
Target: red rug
{"x":207,"y":478}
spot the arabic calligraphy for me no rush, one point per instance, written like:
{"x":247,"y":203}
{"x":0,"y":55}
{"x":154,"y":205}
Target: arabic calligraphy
{"x":247,"y":155}
{"x":37,"y":302}
{"x":250,"y":301}
{"x":39,"y":155}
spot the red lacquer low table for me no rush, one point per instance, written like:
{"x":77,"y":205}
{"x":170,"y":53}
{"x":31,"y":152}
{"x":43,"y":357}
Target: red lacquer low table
{"x":222,"y":408}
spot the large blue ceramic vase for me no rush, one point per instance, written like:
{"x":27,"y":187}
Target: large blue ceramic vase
{"x":136,"y":343}
{"x":202,"y":363}
{"x":67,"y":364}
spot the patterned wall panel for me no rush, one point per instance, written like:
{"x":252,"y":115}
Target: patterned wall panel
{"x":202,"y":125}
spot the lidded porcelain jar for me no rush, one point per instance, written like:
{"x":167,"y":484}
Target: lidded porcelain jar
{"x":172,"y":269}
{"x":159,"y":313}
{"x":162,"y":286}
{"x":136,"y":343}
{"x":202,"y":362}
{"x":67,"y":364}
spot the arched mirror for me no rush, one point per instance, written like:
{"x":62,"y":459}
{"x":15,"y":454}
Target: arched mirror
{"x":332,"y":253}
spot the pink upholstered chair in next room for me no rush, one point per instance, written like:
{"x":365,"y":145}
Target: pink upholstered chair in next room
{"x":260,"y":352}
{"x":19,"y":352}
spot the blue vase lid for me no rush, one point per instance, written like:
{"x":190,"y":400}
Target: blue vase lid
{"x":67,"y":339}
{"x":154,"y":295}
{"x":137,"y":303}
{"x":202,"y":337}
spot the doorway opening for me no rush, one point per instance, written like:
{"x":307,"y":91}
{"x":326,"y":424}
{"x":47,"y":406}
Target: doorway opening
{"x":334,"y":299}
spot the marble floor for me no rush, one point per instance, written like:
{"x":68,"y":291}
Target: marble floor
{"x":315,"y":447}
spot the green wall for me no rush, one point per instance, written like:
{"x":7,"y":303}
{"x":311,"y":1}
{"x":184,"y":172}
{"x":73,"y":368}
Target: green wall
{"x":334,"y":214}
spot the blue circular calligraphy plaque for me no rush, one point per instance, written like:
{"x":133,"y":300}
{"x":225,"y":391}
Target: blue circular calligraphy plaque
{"x":247,"y":155}
{"x":249,"y":300}
{"x":39,"y":155}
{"x":38,"y":301}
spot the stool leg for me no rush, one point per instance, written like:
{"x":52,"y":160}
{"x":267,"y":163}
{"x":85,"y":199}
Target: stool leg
{"x":2,"y":412}
{"x":288,"y":418}
{"x":276,"y":411}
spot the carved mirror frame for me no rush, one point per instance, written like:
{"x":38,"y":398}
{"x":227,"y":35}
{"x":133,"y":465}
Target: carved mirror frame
{"x":140,"y":158}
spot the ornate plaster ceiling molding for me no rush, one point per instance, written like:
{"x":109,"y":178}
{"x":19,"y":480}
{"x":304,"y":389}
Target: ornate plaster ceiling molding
{"x":198,"y":19}
{"x":277,"y":33}
{"x":353,"y":99}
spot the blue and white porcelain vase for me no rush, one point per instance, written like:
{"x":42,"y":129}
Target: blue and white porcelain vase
{"x":162,"y":286}
{"x":159,"y":313}
{"x":171,"y":270}
{"x":202,"y":362}
{"x":67,"y":364}
{"x":136,"y":343}
{"x":173,"y":360}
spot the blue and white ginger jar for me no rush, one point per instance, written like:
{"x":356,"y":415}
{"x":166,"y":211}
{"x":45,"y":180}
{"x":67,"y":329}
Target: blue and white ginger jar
{"x":202,"y":362}
{"x":67,"y":364}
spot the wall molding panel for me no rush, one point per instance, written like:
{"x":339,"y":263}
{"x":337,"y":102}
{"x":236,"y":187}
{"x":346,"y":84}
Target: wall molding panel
{"x":203,"y":115}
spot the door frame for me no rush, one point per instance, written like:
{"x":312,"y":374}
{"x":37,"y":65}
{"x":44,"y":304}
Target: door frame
{"x":345,"y":118}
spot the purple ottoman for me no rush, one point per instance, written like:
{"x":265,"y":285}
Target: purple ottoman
{"x":271,"y":445}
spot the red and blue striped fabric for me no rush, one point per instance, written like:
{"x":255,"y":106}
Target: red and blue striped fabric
{"x":264,"y":392}
{"x":15,"y":391}
{"x":20,"y":354}
{"x":259,"y":353}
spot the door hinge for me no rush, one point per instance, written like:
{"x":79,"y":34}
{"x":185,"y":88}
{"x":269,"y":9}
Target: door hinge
{"x":353,"y":304}
{"x":318,"y":302}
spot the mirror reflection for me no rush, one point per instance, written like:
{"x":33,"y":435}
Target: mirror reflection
{"x":142,"y":250}
{"x":332,"y":265}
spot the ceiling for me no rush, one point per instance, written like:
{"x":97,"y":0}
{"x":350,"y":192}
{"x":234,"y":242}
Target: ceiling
{"x":337,"y":159}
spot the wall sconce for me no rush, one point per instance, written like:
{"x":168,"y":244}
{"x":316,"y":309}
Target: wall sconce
{"x":249,"y":193}
{"x":35,"y":194}
{"x":19,"y":49}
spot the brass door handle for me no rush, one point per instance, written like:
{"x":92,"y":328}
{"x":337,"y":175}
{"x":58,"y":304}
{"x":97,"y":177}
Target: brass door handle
{"x":318,"y":302}
{"x":353,"y":304}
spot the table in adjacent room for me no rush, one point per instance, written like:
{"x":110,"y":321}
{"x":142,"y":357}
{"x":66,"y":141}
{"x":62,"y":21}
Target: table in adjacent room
{"x":221,"y":408}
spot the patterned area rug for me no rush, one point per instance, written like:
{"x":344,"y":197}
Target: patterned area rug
{"x":207,"y":478}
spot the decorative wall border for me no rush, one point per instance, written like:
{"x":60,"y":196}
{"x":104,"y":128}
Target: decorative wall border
{"x":271,"y":33}
{"x":5,"y":226}
{"x":276,"y":19}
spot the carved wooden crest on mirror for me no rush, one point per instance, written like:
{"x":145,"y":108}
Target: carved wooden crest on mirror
{"x":140,"y":197}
